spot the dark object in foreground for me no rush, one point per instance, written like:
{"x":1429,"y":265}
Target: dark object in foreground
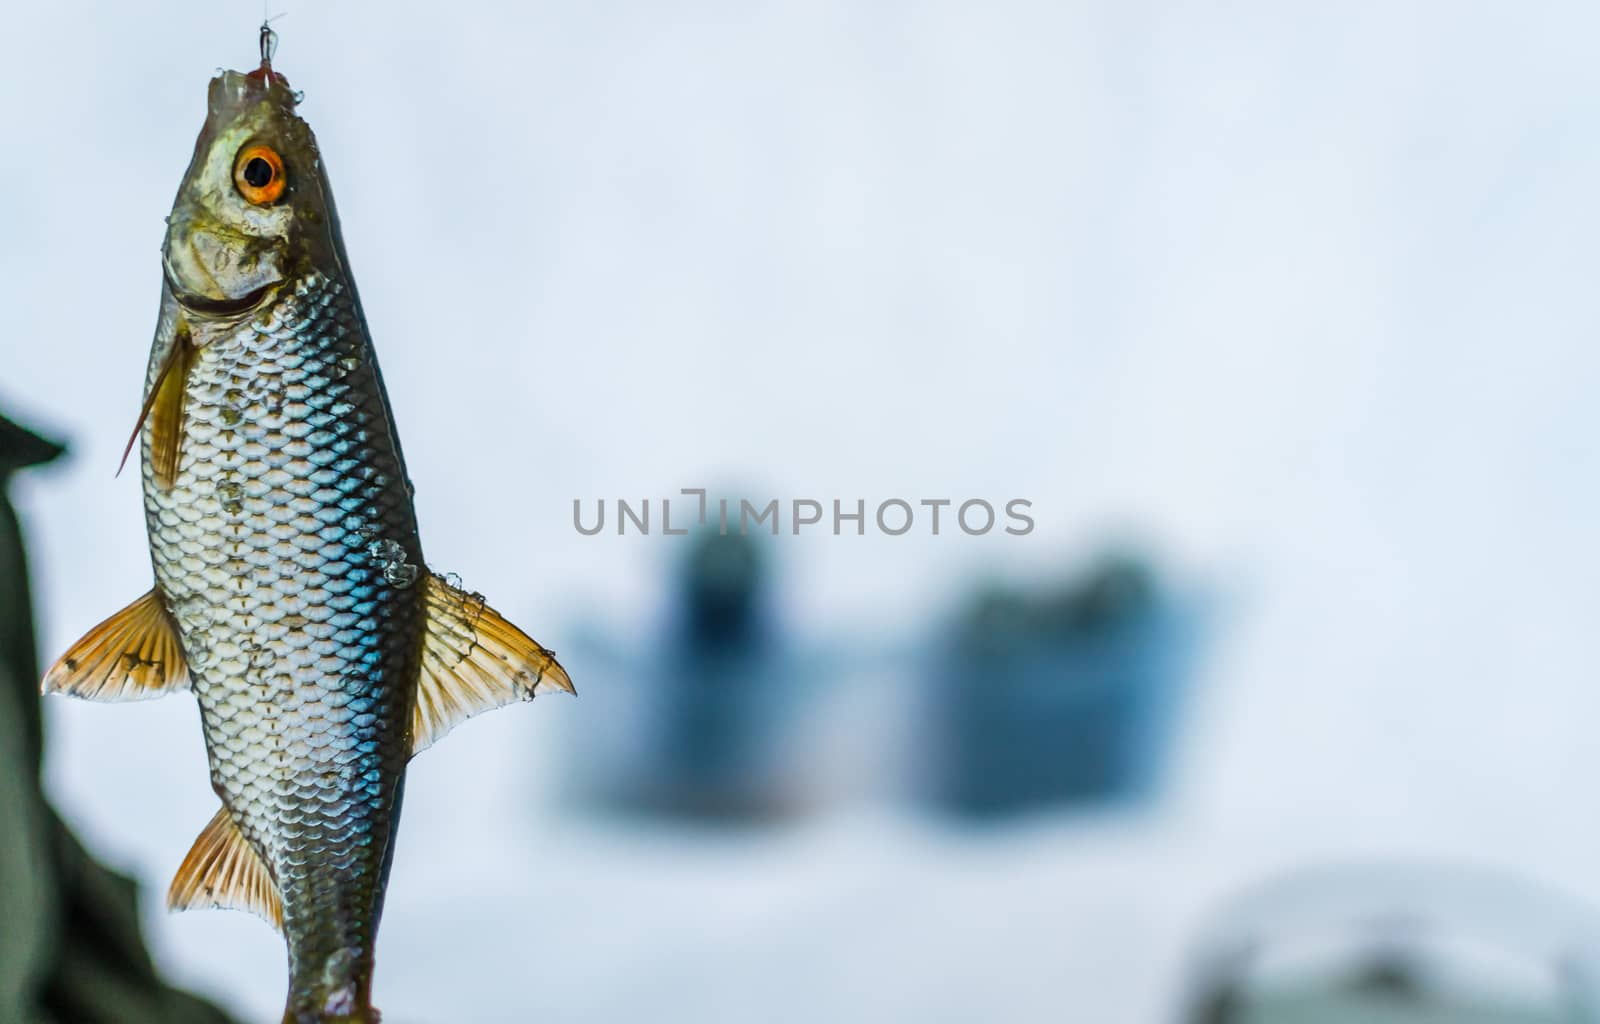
{"x":70,"y":947}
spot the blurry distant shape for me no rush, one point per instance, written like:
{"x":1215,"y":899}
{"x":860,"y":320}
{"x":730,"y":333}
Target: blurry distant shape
{"x":700,"y":724}
{"x":1062,"y":696}
{"x":1393,"y":945}
{"x":70,"y":948}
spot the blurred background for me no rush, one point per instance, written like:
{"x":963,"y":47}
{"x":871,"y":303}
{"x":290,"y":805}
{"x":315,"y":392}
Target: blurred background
{"x":1281,"y":316}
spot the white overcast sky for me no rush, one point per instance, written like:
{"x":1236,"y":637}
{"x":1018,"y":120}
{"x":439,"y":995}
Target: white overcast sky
{"x":1300,"y":295}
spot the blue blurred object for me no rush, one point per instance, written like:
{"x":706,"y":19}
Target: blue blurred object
{"x":703,"y":724}
{"x":718,"y":709}
{"x":1057,"y":698}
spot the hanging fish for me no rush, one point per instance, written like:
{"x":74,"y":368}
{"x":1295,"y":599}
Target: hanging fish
{"x":290,"y":590}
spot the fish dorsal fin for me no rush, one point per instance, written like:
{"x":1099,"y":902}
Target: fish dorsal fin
{"x":163,"y":408}
{"x":473,"y":660}
{"x":224,"y":871}
{"x":134,"y":655}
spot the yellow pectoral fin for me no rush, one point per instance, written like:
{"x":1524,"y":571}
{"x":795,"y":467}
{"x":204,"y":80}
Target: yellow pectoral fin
{"x":473,"y":660}
{"x":134,"y":655}
{"x":223,"y":871}
{"x":163,"y":408}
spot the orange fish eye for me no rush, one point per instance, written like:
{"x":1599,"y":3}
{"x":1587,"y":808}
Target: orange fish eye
{"x":258,"y":174}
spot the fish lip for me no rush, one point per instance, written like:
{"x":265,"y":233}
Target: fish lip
{"x":219,"y":307}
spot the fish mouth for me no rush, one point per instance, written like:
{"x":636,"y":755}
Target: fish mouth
{"x":219,"y":307}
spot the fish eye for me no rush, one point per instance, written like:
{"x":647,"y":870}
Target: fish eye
{"x":258,"y":174}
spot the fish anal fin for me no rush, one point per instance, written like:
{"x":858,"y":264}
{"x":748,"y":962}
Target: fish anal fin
{"x":473,"y":660}
{"x":163,"y":409}
{"x":224,"y":871}
{"x":134,"y":655}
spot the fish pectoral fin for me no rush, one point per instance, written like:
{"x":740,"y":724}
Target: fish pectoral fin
{"x":473,"y":660}
{"x":224,"y":871}
{"x":134,"y":655}
{"x":163,"y":408}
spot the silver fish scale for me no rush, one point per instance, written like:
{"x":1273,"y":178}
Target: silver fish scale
{"x":287,"y":551}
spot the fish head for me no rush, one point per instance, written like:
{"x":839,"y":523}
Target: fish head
{"x":253,"y":211}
